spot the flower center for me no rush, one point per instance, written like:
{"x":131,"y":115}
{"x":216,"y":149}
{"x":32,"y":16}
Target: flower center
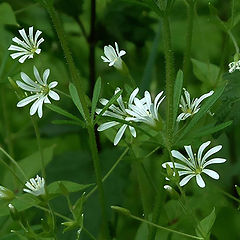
{"x":45,"y":90}
{"x":198,"y":170}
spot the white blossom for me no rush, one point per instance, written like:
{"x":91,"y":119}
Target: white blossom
{"x":188,"y":107}
{"x":195,"y":164}
{"x":26,"y":47}
{"x":35,"y":186}
{"x":234,"y":66}
{"x":144,"y":110}
{"x":39,"y":90}
{"x":120,"y":113}
{"x":113,"y":56}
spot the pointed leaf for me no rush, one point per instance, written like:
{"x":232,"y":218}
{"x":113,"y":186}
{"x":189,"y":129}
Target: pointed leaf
{"x":96,"y":94}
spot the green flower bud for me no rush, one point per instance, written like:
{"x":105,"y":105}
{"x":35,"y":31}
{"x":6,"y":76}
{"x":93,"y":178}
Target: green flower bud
{"x":6,"y":194}
{"x":14,"y":212}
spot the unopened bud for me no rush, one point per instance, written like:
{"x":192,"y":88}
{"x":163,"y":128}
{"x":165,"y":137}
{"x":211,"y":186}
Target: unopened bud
{"x":13,"y":212}
{"x":6,"y":194}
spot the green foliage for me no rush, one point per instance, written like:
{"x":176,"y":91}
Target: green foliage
{"x":96,"y":94}
{"x":7,"y":15}
{"x":204,"y":227}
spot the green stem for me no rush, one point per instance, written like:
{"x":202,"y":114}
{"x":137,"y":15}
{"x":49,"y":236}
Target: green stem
{"x":12,"y":171}
{"x":37,"y":133}
{"x":77,"y":82}
{"x":163,"y":228}
{"x":108,"y":173}
{"x":234,"y":41}
{"x":13,"y":162}
{"x":187,"y":52}
{"x":170,"y":75}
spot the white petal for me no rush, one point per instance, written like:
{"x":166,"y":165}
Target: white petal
{"x":23,"y":58}
{"x":211,"y":173}
{"x":201,"y":149}
{"x":46,"y":75}
{"x":213,"y":161}
{"x":190,"y":153}
{"x":179,"y":156}
{"x":35,"y":106}
{"x":133,"y":95}
{"x":186,"y":179}
{"x":24,"y":36}
{"x":203,"y":97}
{"x":53,"y":84}
{"x":200,"y":181}
{"x":133,"y":131}
{"x":54,"y":95}
{"x":37,"y":76}
{"x":28,"y":80}
{"x":119,"y":134}
{"x":17,"y":48}
{"x":177,"y":165}
{"x":26,"y":87}
{"x":122,"y":52}
{"x":37,"y":34}
{"x":40,"y":106}
{"x":16,"y":55}
{"x":31,"y":34}
{"x":107,"y":125}
{"x":26,"y":101}
{"x":105,"y":59}
{"x":211,"y":152}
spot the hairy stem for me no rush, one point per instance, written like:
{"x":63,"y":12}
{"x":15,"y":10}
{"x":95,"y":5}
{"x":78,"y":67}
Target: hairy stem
{"x":187,"y":52}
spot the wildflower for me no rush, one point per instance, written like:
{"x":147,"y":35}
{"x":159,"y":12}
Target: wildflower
{"x":120,"y":113}
{"x":194,"y":165}
{"x":112,"y":56}
{"x":234,"y":66}
{"x":39,"y":89}
{"x":188,"y":107}
{"x":144,"y":110}
{"x":28,"y":46}
{"x":35,"y":186}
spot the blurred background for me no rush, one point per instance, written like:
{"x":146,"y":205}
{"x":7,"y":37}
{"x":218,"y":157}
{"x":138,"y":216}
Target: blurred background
{"x":138,"y":31}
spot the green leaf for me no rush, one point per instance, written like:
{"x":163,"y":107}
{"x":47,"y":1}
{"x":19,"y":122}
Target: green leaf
{"x":204,"y":227}
{"x":7,"y":15}
{"x":64,"y":113}
{"x":147,"y":74}
{"x":96,"y":94}
{"x":54,"y":188}
{"x":111,"y":101}
{"x":177,"y":93}
{"x":205,"y":72}
{"x":31,"y":164}
{"x":238,"y":190}
{"x":203,"y":110}
{"x":75,"y":98}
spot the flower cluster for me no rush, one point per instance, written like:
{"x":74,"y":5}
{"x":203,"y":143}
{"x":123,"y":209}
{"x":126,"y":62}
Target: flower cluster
{"x":234,"y":66}
{"x":39,"y":90}
{"x":195,"y":164}
{"x":136,"y":110}
{"x":190,"y":107}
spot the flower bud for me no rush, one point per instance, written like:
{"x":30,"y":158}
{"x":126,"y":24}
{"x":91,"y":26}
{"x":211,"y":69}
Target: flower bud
{"x":14,"y":212}
{"x":6,"y":194}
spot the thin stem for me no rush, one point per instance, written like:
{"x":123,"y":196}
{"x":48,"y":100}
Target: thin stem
{"x":53,"y":219}
{"x":37,"y":133}
{"x":79,"y":21}
{"x":170,"y":75}
{"x":14,"y":162}
{"x":163,"y":228}
{"x":229,"y":195}
{"x":108,"y":173}
{"x":234,"y":41}
{"x":12,"y":171}
{"x":187,"y":52}
{"x":92,"y":42}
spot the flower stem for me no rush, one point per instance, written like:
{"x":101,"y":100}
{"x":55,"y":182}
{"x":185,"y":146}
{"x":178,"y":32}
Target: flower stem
{"x":234,"y":41}
{"x":77,"y":82}
{"x":187,"y":52}
{"x":37,"y":133}
{"x":163,"y":228}
{"x":170,"y":75}
{"x":13,"y":162}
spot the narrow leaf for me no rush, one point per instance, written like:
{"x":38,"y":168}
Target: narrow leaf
{"x":177,"y":93}
{"x":69,"y":122}
{"x":96,"y":94}
{"x":75,"y":98}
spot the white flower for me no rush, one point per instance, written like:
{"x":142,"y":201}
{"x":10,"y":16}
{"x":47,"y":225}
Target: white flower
{"x":234,"y":66}
{"x":28,"y":46}
{"x":40,"y":90}
{"x":189,"y":107}
{"x":35,"y":186}
{"x":193,"y":165}
{"x":112,"y":56}
{"x":144,"y":110}
{"x":117,"y":112}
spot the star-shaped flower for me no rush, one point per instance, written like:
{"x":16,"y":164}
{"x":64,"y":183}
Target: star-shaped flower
{"x":234,"y":66}
{"x":39,"y":90}
{"x":188,"y":107}
{"x":195,"y":164}
{"x":35,"y":186}
{"x":144,"y":110}
{"x":26,"y":47}
{"x":120,"y":113}
{"x":112,"y":56}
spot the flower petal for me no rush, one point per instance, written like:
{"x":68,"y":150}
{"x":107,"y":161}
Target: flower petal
{"x":46,"y":75}
{"x":200,"y":181}
{"x":211,"y":173}
{"x":107,"y":125}
{"x":213,"y":161}
{"x":119,"y":134}
{"x":211,"y":152}
{"x":201,"y":149}
{"x":26,"y":100}
{"x":54,"y":95}
{"x":186,"y":179}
